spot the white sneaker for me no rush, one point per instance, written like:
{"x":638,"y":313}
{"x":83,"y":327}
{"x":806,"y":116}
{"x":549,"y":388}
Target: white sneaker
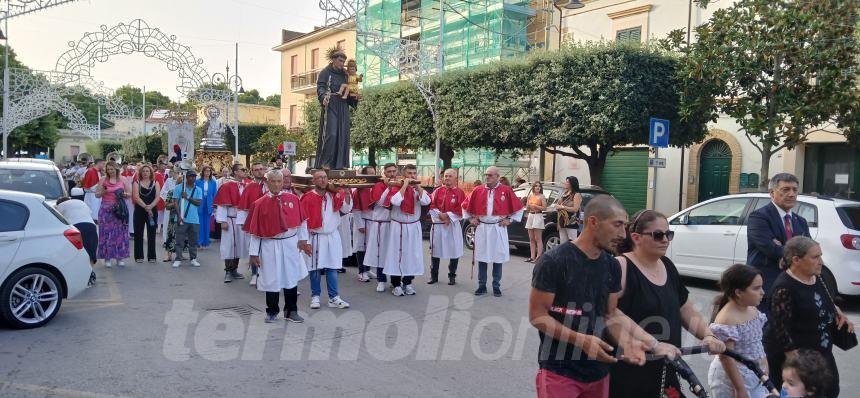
{"x":337,"y":302}
{"x":315,"y":302}
{"x":370,"y":274}
{"x":362,"y":277}
{"x":409,"y":290}
{"x":177,"y":263}
{"x":121,"y":263}
{"x":108,"y":263}
{"x":397,"y":291}
{"x":380,"y":287}
{"x":195,"y":263}
{"x":253,"y":281}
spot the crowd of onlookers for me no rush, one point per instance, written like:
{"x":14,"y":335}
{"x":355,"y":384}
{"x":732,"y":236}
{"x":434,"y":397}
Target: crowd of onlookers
{"x":124,"y":200}
{"x":775,"y":310}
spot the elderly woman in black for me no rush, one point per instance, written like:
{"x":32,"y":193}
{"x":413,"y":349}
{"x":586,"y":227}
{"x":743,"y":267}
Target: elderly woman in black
{"x":654,"y":297}
{"x":802,"y":313}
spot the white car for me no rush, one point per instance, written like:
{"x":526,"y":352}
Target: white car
{"x":34,"y":176}
{"x":42,"y":260}
{"x":712,"y":235}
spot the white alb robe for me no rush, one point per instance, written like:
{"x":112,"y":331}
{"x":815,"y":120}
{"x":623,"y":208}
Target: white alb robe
{"x":281,"y":265}
{"x":345,"y":230}
{"x":446,"y":241}
{"x":234,"y":241}
{"x":359,"y":239}
{"x":403,"y":252}
{"x":491,"y":239}
{"x":326,"y":250}
{"x":93,"y":202}
{"x":377,"y":229}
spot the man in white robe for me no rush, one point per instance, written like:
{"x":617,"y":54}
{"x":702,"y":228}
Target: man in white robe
{"x":276,"y":234}
{"x":404,"y":257}
{"x":321,"y":208}
{"x":377,"y":226}
{"x":234,"y":241}
{"x":491,"y":208}
{"x":446,"y":233}
{"x":362,"y":210}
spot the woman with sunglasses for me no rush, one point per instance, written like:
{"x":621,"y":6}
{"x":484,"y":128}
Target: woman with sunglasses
{"x":654,"y":297}
{"x":535,"y":206}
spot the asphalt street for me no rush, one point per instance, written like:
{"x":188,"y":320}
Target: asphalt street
{"x":149,"y":330}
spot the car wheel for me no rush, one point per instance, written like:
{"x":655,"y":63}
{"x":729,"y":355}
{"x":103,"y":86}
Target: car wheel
{"x":551,"y":241}
{"x":469,"y":236}
{"x":30,"y":298}
{"x":830,"y":282}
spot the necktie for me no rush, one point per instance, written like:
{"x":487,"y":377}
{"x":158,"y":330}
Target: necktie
{"x":788,"y":232}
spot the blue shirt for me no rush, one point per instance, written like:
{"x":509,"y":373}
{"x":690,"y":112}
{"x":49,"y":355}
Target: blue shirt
{"x":191,"y":216}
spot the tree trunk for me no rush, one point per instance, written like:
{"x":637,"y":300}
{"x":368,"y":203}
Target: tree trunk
{"x":447,"y":155}
{"x":371,"y":157}
{"x":766,"y":154}
{"x":595,"y":170}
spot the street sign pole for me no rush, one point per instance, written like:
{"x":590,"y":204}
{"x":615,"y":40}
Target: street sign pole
{"x":658,"y":137}
{"x":654,"y":187}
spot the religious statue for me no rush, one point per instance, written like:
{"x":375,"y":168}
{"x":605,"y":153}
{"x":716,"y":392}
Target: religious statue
{"x":213,"y":139}
{"x":333,"y":139}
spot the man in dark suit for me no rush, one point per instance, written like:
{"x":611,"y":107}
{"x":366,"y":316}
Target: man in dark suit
{"x":770,"y":227}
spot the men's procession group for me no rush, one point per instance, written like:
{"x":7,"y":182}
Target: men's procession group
{"x":289,"y":235}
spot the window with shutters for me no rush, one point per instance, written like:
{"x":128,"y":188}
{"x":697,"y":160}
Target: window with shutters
{"x":629,"y":35}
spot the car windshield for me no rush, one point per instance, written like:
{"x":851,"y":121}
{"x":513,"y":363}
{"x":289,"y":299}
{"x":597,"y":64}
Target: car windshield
{"x":41,"y":182}
{"x":850,"y":216}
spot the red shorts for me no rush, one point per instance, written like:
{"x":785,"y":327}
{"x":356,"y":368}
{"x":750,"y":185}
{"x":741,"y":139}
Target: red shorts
{"x":553,"y":385}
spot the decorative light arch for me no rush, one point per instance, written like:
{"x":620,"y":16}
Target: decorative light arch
{"x":34,"y":94}
{"x":135,"y":37}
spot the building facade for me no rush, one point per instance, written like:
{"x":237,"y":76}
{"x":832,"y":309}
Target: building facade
{"x":726,"y":161}
{"x":303,"y":55}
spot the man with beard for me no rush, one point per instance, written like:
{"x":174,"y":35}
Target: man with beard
{"x":574,"y":297}
{"x":446,"y":233}
{"x":321,"y":208}
{"x":377,"y":226}
{"x":404,"y":258}
{"x":234,"y":244}
{"x":253,"y":191}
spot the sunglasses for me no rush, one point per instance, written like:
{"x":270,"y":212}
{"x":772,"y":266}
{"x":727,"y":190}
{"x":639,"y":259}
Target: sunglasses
{"x":243,"y":169}
{"x":341,"y":57}
{"x":659,"y":235}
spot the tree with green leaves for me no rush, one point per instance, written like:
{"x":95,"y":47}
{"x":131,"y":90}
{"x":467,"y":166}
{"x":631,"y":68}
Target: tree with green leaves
{"x":266,"y":145}
{"x":38,"y":135}
{"x":393,"y":115}
{"x":250,"y":97}
{"x":782,"y":69}
{"x":132,"y":97}
{"x":272,"y":100}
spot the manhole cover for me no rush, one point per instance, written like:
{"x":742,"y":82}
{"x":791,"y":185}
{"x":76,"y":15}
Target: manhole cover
{"x":235,"y":311}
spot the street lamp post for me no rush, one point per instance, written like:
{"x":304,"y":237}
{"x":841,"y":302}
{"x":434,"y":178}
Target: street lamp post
{"x":5,"y":37}
{"x":237,"y":88}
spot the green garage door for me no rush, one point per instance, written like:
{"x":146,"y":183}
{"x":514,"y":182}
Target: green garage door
{"x":626,"y":176}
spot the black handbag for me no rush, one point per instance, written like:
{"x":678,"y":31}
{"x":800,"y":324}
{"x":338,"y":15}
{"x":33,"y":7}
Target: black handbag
{"x":842,"y":338}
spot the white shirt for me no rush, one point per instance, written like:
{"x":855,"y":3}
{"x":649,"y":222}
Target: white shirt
{"x":782,"y":212}
{"x":75,"y":211}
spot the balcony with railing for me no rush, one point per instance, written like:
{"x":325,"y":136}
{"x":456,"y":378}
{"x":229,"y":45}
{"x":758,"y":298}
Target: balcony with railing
{"x":305,"y":82}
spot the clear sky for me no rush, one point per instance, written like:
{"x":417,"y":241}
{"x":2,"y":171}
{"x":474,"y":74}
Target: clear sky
{"x":209,"y":27}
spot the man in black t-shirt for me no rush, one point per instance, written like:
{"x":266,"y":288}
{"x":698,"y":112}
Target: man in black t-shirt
{"x":573,"y":299}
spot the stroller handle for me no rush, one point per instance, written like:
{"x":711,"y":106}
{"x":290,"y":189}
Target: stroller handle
{"x":695,"y":385}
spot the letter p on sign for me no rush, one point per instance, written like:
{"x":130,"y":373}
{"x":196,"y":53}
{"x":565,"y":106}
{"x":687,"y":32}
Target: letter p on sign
{"x":659,"y":133}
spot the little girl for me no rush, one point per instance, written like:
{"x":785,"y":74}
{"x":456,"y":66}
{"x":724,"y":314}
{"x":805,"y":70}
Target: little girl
{"x":739,"y":324}
{"x":805,"y":375}
{"x":352,"y":79}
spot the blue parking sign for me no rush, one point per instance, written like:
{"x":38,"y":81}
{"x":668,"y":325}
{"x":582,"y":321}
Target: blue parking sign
{"x":659,"y":133}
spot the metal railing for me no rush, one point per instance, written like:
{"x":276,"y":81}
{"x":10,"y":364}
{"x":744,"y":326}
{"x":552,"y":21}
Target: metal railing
{"x":306,"y":80}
